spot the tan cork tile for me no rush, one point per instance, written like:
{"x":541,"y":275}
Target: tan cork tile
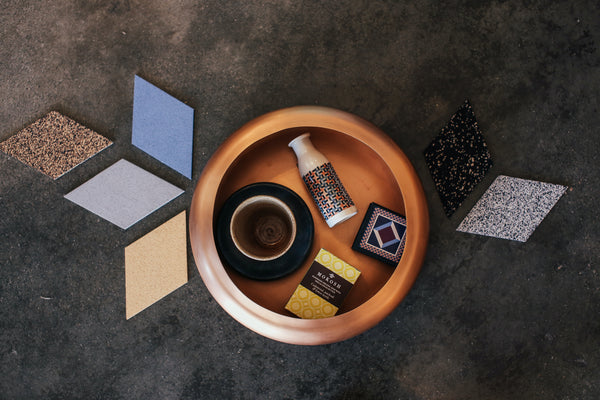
{"x":155,"y":265}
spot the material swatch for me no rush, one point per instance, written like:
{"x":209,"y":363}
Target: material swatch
{"x":382,"y":235}
{"x":458,"y":158}
{"x":123,"y":194}
{"x":511,"y":208}
{"x":54,"y":144}
{"x":155,"y":265}
{"x":163,"y":127}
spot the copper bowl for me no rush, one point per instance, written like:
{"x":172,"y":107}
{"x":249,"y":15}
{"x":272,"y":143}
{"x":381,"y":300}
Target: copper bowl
{"x":372,"y":168}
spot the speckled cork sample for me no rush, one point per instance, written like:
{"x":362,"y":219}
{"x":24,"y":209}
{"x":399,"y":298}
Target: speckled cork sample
{"x":512,"y":208}
{"x":54,"y":144}
{"x":458,"y":158}
{"x":155,"y":265}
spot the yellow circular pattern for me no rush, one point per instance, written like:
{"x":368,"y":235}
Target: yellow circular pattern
{"x":308,"y":305}
{"x":337,"y":265}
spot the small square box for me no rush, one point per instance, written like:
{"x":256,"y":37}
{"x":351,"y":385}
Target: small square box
{"x":382,"y":235}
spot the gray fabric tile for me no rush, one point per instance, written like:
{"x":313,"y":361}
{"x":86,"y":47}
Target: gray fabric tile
{"x":124,"y":194}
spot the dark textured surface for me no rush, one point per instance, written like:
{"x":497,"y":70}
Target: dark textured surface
{"x":486,"y":319}
{"x":458,"y":158}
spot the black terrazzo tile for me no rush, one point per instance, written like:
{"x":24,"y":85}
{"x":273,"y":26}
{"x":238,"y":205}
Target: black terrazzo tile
{"x":458,"y":158}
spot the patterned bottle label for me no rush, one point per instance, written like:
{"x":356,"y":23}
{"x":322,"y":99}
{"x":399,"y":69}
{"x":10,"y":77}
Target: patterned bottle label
{"x":327,"y":190}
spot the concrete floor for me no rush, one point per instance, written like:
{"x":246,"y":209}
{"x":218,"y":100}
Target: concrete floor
{"x":486,"y":319}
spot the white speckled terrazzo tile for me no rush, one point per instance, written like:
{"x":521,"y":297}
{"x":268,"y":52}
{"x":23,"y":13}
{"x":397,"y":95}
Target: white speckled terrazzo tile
{"x":511,"y":208}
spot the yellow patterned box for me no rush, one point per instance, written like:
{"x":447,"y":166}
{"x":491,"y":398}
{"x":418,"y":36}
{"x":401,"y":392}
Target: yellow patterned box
{"x":323,"y":288}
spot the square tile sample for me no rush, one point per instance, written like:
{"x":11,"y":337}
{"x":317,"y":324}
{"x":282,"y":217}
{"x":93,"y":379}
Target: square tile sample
{"x":123,"y":194}
{"x":458,"y":158}
{"x":54,"y":144}
{"x":382,"y":235}
{"x":511,"y":208}
{"x":155,"y":265}
{"x":163,"y":127}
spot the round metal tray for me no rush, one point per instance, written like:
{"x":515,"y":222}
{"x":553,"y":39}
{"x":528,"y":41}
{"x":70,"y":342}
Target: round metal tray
{"x":371,"y":167}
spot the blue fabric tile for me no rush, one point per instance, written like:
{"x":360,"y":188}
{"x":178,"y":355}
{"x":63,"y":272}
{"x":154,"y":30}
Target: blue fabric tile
{"x":163,"y":126}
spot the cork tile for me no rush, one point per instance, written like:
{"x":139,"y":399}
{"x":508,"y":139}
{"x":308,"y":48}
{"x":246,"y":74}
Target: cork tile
{"x":155,"y":265}
{"x":54,"y":144}
{"x":512,"y":208}
{"x":458,"y":158}
{"x":163,"y":127}
{"x":124,"y":194}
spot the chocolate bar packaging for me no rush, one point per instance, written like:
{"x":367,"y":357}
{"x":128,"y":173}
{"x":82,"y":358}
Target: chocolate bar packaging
{"x":324,"y":287}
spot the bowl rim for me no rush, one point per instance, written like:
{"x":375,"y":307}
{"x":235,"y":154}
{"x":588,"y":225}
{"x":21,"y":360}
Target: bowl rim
{"x":290,"y":329}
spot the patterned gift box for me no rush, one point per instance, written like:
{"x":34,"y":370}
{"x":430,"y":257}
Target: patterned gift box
{"x":382,"y":235}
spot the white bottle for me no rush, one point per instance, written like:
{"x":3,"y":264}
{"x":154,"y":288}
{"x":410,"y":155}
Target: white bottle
{"x":322,"y":182}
